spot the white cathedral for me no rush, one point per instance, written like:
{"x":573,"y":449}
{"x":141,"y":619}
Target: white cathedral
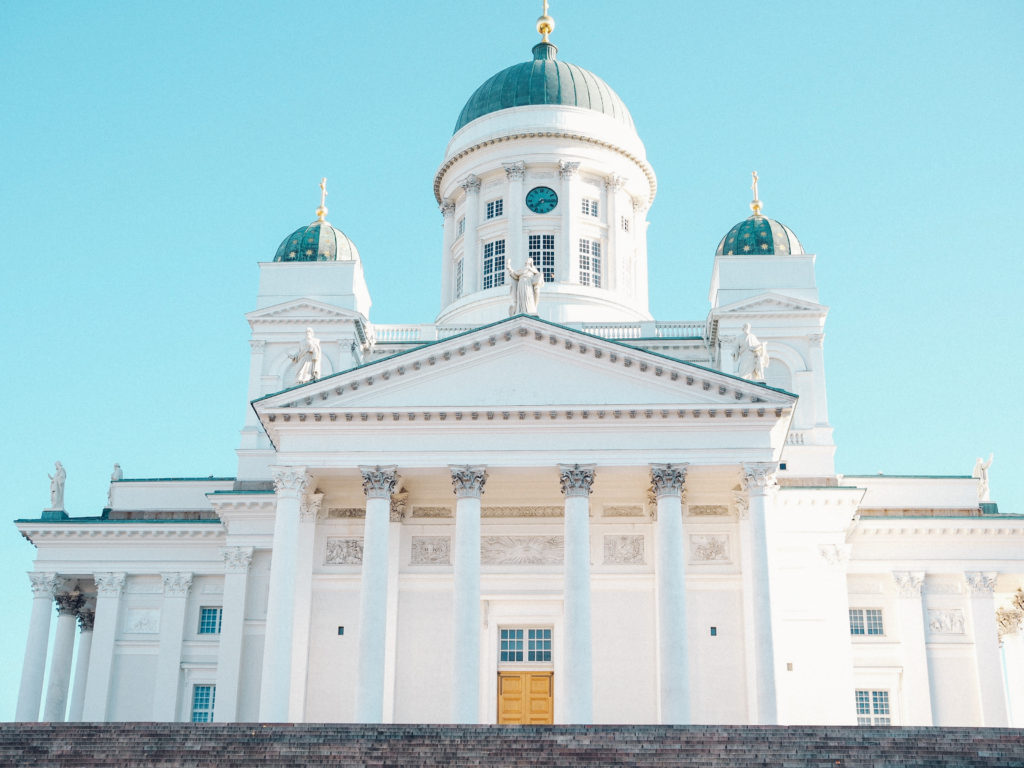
{"x":544,"y":507}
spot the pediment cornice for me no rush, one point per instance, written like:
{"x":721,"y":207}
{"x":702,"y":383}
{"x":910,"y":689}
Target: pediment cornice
{"x":770,"y":305}
{"x":299,"y":311}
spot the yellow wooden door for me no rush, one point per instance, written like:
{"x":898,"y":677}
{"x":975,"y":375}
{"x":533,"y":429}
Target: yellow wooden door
{"x":526,"y":698}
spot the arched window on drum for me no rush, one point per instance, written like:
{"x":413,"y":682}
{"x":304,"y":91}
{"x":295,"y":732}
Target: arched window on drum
{"x":778,"y":375}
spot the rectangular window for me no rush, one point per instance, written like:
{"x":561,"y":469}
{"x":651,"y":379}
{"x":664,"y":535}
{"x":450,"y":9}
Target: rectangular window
{"x":209,"y":620}
{"x":202,"y":703}
{"x":495,"y":208}
{"x":538,"y":646}
{"x":625,"y":224}
{"x":866,"y":621}
{"x":542,"y":251}
{"x":494,"y":263}
{"x":458,"y":279}
{"x":589,"y":207}
{"x":511,"y":645}
{"x":873,"y":708}
{"x":460,"y":228}
{"x":529,"y":645}
{"x":590,"y":262}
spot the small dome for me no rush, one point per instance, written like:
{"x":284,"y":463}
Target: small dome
{"x":759,"y":235}
{"x":317,"y":242}
{"x":544,"y":80}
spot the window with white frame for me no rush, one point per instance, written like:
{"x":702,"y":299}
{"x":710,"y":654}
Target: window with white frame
{"x":873,"y":707}
{"x":459,"y":284}
{"x":590,"y":262}
{"x":866,"y":621}
{"x":209,"y":620}
{"x":542,"y":250}
{"x":527,"y":645}
{"x":494,"y":263}
{"x":460,"y":227}
{"x":495,"y":208}
{"x":203,"y":697}
{"x":624,"y":223}
{"x":589,"y":207}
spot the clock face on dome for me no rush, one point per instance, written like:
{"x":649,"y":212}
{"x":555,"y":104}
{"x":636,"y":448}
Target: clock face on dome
{"x":541,"y":200}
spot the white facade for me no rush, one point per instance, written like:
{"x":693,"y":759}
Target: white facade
{"x":672,"y":539}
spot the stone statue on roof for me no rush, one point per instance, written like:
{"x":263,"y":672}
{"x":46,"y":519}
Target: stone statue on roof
{"x":981,"y":472}
{"x":524,"y":287}
{"x":751,"y":356}
{"x":308,"y":357}
{"x":57,"y":480}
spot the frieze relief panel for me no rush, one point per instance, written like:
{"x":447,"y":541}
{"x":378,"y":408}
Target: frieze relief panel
{"x":709,"y":547}
{"x":432,"y":512}
{"x":345,"y":513}
{"x":624,"y":549}
{"x":344,"y":551}
{"x":707,"y":510}
{"x":522,"y":550}
{"x":431,"y":550}
{"x":946,"y":621}
{"x":142,"y":621}
{"x":623,"y":511}
{"x":557,"y":511}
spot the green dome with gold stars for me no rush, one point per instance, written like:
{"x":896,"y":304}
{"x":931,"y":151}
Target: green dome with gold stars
{"x":318,"y":241}
{"x":759,"y":235}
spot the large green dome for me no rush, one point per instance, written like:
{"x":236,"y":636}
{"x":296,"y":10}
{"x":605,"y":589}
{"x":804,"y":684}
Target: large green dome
{"x":544,"y":80}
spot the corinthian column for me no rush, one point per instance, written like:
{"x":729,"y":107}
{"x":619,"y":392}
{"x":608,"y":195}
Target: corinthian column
{"x":86,"y":617}
{"x":68,"y":603}
{"x":291,"y":484}
{"x":759,"y":483}
{"x":515,"y":173}
{"x":308,"y":512}
{"x":673,"y":655}
{"x":982,"y":586}
{"x":31,"y":691}
{"x":168,"y":662}
{"x":471,"y":267}
{"x":917,"y":701}
{"x":229,"y":654}
{"x":567,"y":262}
{"x":109,"y":588}
{"x":468,"y":485}
{"x":378,"y":485}
{"x":577,"y":482}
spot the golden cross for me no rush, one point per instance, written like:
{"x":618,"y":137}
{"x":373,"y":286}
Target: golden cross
{"x":322,"y":210}
{"x":545,"y":8}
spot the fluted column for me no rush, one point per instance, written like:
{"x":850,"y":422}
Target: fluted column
{"x":759,"y":482}
{"x":308,"y":512}
{"x":68,"y":601}
{"x":673,"y":653}
{"x":468,"y":484}
{"x":567,"y":260}
{"x":109,"y":588}
{"x":168,"y":662}
{"x":982,"y":587}
{"x":515,"y":173}
{"x":290,"y":484}
{"x":447,"y":273}
{"x":917,"y":699}
{"x":232,"y":632}
{"x":34,"y":665}
{"x":577,"y":482}
{"x":86,"y":617}
{"x":471,"y":240}
{"x":378,"y":485}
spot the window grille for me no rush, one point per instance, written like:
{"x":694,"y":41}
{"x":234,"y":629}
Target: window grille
{"x":494,"y":263}
{"x":458,"y":279}
{"x":873,"y":708}
{"x":590,"y":262}
{"x":495,"y":208}
{"x":625,"y":224}
{"x":866,"y":621}
{"x":530,"y":645}
{"x":542,"y":251}
{"x":203,"y":697}
{"x":209,"y":620}
{"x":460,"y":228}
{"x":589,"y":207}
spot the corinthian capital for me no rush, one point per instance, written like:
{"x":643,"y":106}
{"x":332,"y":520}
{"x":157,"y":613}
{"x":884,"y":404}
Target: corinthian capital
{"x":177,"y":584}
{"x":668,"y":479}
{"x":68,"y":603}
{"x":759,"y":477}
{"x":515,"y":171}
{"x":86,"y":618}
{"x":908,"y":583}
{"x":447,"y":208}
{"x":291,"y":480}
{"x":567,"y":169}
{"x":257,"y":345}
{"x":237,"y":559}
{"x":614,"y":182}
{"x":576,"y":479}
{"x":471,"y":184}
{"x":981,"y":582}
{"x":109,"y":584}
{"x":468,"y":482}
{"x":43,"y":584}
{"x":309,"y":507}
{"x":379,"y":482}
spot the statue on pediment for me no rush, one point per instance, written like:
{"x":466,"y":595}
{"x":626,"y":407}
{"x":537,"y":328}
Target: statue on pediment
{"x":57,"y":480}
{"x":308,"y":357}
{"x":981,"y":472}
{"x":751,"y":356}
{"x":524,"y":287}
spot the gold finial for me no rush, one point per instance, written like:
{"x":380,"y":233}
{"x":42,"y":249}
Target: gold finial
{"x":321,"y":212}
{"x":545,"y":24}
{"x":755,"y":206}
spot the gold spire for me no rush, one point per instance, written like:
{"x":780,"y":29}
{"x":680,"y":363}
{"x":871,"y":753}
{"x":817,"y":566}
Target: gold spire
{"x":321,"y":212}
{"x":545,"y":24}
{"x":755,"y":206}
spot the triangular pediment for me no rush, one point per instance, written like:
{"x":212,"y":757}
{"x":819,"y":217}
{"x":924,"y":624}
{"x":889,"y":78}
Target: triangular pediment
{"x":525,"y":363}
{"x":302,"y":311}
{"x":774,"y":304}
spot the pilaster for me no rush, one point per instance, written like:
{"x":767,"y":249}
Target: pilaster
{"x":515,"y":173}
{"x":447,"y":274}
{"x":917,"y":698}
{"x":982,"y":585}
{"x":567,"y":261}
{"x":168,"y":664}
{"x":471,"y":239}
{"x":615,"y":261}
{"x":232,"y":633}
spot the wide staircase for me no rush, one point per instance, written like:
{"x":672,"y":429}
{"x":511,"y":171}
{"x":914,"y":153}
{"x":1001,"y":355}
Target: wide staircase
{"x":182,"y":745}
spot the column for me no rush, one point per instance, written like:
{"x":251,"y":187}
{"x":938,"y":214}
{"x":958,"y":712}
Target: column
{"x":168,"y":662}
{"x":982,"y":586}
{"x":86,"y":617}
{"x":673,"y":654}
{"x":471,"y":240}
{"x":1011,"y":636}
{"x":917,"y":698}
{"x":516,"y":250}
{"x":378,"y":485}
{"x":567,"y":260}
{"x":614,"y":258}
{"x":290,"y":484}
{"x":34,"y":665}
{"x":109,"y":588}
{"x":468,"y":485}
{"x":577,"y":482}
{"x":817,"y":354}
{"x":447,"y":273}
{"x":308,"y":512}
{"x":759,"y":482}
{"x":68,"y":602}
{"x":232,"y":632}
{"x":397,"y":515}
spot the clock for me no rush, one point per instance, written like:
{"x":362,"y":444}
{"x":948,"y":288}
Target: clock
{"x":541,"y":200}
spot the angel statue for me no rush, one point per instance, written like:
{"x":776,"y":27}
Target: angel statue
{"x":751,"y":356}
{"x":981,"y":472}
{"x":308,"y":358}
{"x":57,"y":480}
{"x":525,"y":288}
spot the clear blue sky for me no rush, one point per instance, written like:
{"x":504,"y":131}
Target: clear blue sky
{"x":152,"y":153}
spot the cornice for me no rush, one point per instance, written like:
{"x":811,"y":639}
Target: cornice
{"x":65,"y":531}
{"x":940,"y":527}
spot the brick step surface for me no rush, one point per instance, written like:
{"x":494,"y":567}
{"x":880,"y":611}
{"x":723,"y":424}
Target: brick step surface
{"x":186,"y":745}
